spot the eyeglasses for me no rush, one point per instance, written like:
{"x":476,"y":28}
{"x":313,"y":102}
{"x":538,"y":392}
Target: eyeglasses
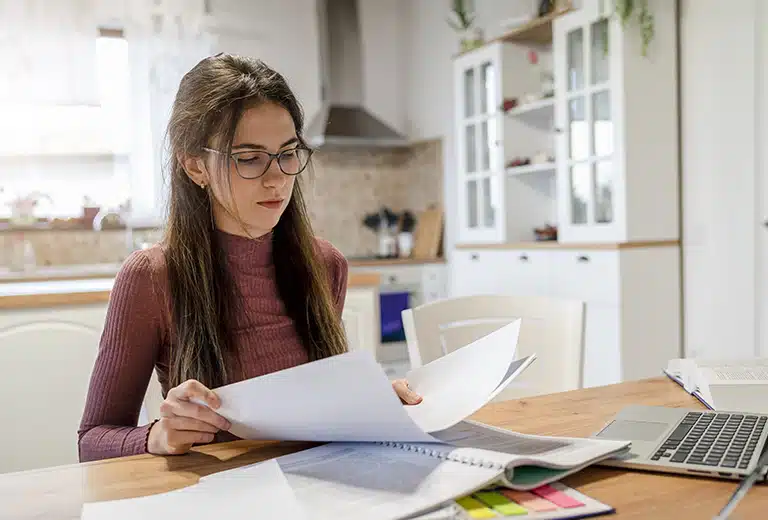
{"x":252,"y":164}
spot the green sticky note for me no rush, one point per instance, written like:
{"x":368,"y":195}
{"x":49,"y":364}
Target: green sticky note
{"x":475,"y":508}
{"x":500,"y":503}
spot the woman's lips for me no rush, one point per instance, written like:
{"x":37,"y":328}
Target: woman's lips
{"x":271,"y":204}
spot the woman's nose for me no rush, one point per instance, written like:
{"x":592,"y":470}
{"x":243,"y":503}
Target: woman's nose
{"x":274,"y":177}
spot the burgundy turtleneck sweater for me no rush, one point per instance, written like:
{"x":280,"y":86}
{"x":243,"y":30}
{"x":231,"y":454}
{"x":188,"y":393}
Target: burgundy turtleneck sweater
{"x":137,"y":336}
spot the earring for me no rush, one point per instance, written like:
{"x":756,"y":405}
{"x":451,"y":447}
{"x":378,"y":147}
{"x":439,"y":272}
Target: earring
{"x":202,"y":185}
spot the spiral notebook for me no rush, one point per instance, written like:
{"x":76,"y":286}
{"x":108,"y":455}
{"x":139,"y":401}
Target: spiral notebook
{"x":391,"y":480}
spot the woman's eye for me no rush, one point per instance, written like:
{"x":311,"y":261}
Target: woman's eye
{"x":289,"y":154}
{"x":251,"y":158}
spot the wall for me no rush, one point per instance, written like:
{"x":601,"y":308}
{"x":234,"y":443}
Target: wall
{"x":431,"y":44}
{"x":718,"y":176}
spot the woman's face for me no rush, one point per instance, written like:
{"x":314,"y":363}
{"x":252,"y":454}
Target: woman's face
{"x":260,"y":190}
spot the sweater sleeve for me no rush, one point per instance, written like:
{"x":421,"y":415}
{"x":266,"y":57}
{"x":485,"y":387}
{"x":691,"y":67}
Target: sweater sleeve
{"x":128,"y":349}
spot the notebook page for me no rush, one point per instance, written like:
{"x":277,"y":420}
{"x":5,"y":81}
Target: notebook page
{"x":460,"y":383}
{"x":343,"y":481}
{"x":505,"y":447}
{"x":342,"y":398}
{"x":265,"y":493}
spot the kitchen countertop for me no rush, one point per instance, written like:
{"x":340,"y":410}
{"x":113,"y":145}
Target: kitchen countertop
{"x":378,"y":262}
{"x":49,"y":293}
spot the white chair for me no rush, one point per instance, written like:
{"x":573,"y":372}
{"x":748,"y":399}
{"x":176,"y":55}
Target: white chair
{"x":552,"y":329}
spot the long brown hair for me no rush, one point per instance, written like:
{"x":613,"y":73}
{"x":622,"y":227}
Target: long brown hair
{"x":209,"y":103}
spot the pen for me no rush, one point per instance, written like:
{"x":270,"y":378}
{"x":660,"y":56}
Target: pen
{"x":743,"y":488}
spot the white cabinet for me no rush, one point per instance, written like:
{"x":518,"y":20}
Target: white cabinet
{"x":598,"y":144}
{"x":617,"y":112}
{"x":631,"y":296}
{"x":46,"y":357}
{"x":361,"y":318}
{"x":494,"y":204}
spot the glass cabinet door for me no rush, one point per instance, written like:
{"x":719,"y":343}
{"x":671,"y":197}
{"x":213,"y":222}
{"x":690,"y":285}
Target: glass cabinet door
{"x":589,"y":128}
{"x":478,"y":135}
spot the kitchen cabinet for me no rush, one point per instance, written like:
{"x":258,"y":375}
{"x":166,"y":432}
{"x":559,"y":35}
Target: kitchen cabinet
{"x":616,"y":113}
{"x":600,"y":139}
{"x":631,"y":296}
{"x":361,"y":318}
{"x":46,"y":358}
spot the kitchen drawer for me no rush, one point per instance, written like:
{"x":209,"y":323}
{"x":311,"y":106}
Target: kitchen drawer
{"x":527,"y":273}
{"x":477,"y":272}
{"x":588,"y":276}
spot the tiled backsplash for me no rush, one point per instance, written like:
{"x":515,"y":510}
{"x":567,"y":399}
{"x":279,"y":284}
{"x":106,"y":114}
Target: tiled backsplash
{"x":68,"y":247}
{"x":348,"y":184}
{"x":343,"y":186}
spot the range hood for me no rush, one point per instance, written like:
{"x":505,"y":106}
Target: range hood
{"x":343,"y":119}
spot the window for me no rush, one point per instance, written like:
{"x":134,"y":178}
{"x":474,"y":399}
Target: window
{"x":70,"y":152}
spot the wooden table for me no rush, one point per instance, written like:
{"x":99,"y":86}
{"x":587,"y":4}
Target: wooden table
{"x":58,"y":493}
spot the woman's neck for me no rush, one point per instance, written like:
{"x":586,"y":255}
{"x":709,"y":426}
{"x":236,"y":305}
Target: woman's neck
{"x":231,"y":226}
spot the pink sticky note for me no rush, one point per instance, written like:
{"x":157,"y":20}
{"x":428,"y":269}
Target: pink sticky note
{"x":529,"y":500}
{"x":557,"y":497}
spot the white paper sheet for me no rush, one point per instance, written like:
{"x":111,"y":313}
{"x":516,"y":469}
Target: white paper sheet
{"x":457,"y":385}
{"x":260,"y":491}
{"x":351,"y":481}
{"x":349,"y":398}
{"x":342,"y":398}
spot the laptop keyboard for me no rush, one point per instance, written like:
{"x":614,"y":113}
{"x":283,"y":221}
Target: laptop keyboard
{"x":713,"y":439}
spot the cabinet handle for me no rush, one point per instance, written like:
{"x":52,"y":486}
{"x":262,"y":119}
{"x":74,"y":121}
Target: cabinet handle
{"x":523,"y":258}
{"x":475,"y":256}
{"x":583,"y":259}
{"x":393,"y":279}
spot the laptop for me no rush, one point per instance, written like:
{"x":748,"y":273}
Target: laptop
{"x":687,"y":441}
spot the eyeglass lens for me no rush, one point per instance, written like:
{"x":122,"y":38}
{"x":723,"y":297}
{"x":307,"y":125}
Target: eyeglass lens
{"x":252,"y":164}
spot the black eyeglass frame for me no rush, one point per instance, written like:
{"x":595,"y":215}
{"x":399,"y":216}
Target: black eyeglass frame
{"x":272,"y":157}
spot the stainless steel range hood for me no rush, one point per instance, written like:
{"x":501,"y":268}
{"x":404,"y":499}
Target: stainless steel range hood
{"x":343,"y":120}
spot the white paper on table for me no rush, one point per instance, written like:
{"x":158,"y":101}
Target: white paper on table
{"x":352,"y":481}
{"x":458,"y":384}
{"x":341,"y":398}
{"x":261,"y":491}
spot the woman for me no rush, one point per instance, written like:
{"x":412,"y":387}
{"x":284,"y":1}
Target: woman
{"x":238,"y":288}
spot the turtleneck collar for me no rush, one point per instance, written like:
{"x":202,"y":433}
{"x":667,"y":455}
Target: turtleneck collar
{"x":246,"y":253}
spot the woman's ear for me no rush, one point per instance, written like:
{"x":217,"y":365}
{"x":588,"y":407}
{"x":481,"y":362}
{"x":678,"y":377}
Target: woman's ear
{"x":195,"y":168}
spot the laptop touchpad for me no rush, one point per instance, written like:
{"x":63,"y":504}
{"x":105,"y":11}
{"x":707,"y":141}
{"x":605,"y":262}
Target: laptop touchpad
{"x":634,"y":430}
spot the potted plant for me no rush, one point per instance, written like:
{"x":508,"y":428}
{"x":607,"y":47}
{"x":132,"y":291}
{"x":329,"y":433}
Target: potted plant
{"x":461,"y":18}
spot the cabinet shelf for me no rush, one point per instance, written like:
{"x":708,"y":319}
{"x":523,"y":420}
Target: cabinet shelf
{"x":531,"y":168}
{"x":537,"y":31}
{"x":544,"y":106}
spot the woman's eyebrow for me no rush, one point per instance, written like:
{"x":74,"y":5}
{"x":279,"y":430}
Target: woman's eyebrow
{"x":261,"y":146}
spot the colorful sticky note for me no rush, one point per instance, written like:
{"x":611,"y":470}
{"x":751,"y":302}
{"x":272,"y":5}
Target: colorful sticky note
{"x":475,"y":508}
{"x":557,"y":497}
{"x":500,"y":503}
{"x":529,"y":500}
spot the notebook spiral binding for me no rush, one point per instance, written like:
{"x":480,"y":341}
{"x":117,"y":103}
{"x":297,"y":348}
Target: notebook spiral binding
{"x":440,"y":454}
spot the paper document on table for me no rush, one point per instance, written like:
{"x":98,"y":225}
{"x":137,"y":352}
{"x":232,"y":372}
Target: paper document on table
{"x":353,"y":481}
{"x":261,"y":491}
{"x":349,"y":398}
{"x":507,"y":447}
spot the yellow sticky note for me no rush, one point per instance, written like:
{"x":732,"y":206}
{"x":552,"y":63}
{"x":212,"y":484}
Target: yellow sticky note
{"x":475,"y":508}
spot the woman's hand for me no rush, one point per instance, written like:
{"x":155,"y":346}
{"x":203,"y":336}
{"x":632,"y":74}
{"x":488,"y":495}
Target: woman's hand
{"x":184,"y":423}
{"x":404,"y":392}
